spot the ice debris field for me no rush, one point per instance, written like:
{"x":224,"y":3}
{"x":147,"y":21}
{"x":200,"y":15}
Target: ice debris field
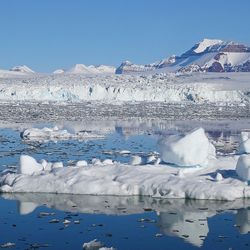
{"x":187,"y":167}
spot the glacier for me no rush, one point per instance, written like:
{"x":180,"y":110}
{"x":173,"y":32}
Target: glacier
{"x":164,"y":87}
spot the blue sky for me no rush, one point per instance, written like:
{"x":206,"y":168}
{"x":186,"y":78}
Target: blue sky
{"x":51,"y":34}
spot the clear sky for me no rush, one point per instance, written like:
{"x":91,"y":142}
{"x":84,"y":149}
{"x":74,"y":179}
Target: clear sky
{"x":51,"y":34}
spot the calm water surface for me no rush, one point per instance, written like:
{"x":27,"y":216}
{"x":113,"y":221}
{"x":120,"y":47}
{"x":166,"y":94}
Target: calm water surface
{"x":32,"y":221}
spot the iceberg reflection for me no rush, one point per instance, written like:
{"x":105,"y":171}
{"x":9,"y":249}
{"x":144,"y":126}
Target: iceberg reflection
{"x":186,"y":219}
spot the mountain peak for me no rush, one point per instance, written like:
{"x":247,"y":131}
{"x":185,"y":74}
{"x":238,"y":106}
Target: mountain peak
{"x":206,"y":43}
{"x":91,"y":69}
{"x":22,"y":69}
{"x":209,"y":55}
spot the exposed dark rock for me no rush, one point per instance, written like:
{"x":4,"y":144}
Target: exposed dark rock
{"x":216,"y":67}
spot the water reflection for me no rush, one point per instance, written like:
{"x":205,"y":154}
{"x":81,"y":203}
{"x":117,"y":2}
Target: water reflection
{"x":187,"y":219}
{"x":242,"y":219}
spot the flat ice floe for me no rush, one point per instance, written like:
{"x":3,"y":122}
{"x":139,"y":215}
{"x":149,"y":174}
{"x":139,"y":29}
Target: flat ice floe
{"x":218,"y":179}
{"x":162,"y":181}
{"x":43,"y":134}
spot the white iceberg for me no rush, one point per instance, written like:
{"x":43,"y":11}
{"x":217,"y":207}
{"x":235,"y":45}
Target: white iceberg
{"x":36,"y":134}
{"x":243,"y":167}
{"x":244,"y":147}
{"x":162,"y":181}
{"x":93,"y":245}
{"x":192,"y":149}
{"x":29,"y":166}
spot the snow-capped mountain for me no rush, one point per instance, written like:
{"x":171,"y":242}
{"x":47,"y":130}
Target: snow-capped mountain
{"x":91,"y":69}
{"x":209,"y":55}
{"x":129,"y":67}
{"x":59,"y":71}
{"x":22,"y":69}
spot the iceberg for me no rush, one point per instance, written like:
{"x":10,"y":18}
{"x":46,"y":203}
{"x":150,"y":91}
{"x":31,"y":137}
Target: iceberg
{"x":244,"y":146}
{"x":243,"y":167}
{"x":192,"y":149}
{"x":114,"y":178}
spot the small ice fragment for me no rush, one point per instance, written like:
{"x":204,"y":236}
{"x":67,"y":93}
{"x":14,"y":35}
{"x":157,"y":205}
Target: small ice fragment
{"x":66,"y":222}
{"x":151,"y":159}
{"x":106,"y":248}
{"x":108,"y":162}
{"x":158,"y":235}
{"x":96,"y":161}
{"x":44,"y":163}
{"x":29,"y":166}
{"x":56,"y":128}
{"x":243,"y":167}
{"x":57,"y":165}
{"x":124,"y":152}
{"x":135,"y":160}
{"x":218,"y":177}
{"x":93,"y":245}
{"x":158,"y":161}
{"x":8,"y":245}
{"x":244,"y":147}
{"x":82,"y":163}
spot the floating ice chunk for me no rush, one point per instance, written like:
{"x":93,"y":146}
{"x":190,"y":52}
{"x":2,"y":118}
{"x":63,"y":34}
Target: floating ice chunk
{"x":57,"y":165}
{"x":108,"y":162}
{"x":93,"y":245}
{"x":44,"y":163}
{"x":191,"y":149}
{"x":66,"y":222}
{"x":96,"y":161}
{"x":135,"y":160}
{"x":243,"y":167}
{"x":29,"y":166}
{"x":151,"y":159}
{"x":106,"y":248}
{"x":244,"y":146}
{"x":122,"y":179}
{"x":124,"y":152}
{"x":218,"y":177}
{"x":158,"y":161}
{"x":47,"y":166}
{"x":8,"y":245}
{"x":82,"y":163}
{"x":36,"y":134}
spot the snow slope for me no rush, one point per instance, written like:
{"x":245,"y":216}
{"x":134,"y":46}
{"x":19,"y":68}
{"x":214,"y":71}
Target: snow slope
{"x":22,"y":69}
{"x":91,"y":69}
